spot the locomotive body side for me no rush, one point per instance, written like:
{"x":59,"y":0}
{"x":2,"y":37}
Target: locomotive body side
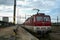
{"x":39,"y":23}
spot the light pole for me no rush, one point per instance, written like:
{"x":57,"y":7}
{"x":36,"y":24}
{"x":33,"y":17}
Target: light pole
{"x":14,"y":15}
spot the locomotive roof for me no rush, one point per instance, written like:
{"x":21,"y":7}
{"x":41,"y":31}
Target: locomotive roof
{"x":38,"y":14}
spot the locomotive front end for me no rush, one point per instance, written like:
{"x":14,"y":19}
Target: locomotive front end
{"x":42,"y":24}
{"x":42,"y":29}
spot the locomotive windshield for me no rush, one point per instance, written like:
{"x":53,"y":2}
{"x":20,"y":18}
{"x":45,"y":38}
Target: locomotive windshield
{"x":39,"y":18}
{"x":46,"y":19}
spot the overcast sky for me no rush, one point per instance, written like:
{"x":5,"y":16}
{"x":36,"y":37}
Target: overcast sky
{"x":50,"y":7}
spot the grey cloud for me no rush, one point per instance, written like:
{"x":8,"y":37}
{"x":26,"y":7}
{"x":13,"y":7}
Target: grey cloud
{"x":29,"y":0}
{"x":40,"y":4}
{"x":24,"y":6}
{"x":20,"y":0}
{"x":6,"y":10}
{"x":6,"y":2}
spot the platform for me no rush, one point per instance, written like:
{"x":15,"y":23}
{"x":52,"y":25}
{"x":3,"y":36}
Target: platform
{"x":22,"y":34}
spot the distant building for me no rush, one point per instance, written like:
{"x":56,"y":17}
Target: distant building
{"x":6,"y":19}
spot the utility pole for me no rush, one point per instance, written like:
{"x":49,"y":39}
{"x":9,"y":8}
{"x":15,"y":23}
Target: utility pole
{"x":57,"y":19}
{"x":14,"y":15}
{"x":25,"y":16}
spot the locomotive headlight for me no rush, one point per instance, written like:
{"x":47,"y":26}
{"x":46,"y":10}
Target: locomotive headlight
{"x":43,"y":28}
{"x":34,"y":29}
{"x":49,"y":28}
{"x":38,"y":28}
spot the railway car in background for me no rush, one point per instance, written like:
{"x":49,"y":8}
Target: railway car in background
{"x":38,"y":23}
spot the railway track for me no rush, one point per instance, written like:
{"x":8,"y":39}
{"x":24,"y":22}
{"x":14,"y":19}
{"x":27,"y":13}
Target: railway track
{"x":23,"y":33}
{"x":50,"y":36}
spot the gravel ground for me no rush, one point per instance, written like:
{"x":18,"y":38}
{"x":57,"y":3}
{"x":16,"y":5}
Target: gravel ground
{"x":8,"y":34}
{"x":55,"y":35}
{"x":24,"y":35}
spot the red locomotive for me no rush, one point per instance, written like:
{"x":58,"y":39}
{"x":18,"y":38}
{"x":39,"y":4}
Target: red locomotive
{"x":39,"y":23}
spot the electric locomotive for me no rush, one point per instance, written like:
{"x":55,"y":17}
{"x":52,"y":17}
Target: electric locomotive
{"x":38,"y":23}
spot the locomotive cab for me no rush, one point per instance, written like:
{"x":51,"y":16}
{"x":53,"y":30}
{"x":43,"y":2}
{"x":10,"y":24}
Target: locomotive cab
{"x":42,"y":23}
{"x":39,"y":23}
